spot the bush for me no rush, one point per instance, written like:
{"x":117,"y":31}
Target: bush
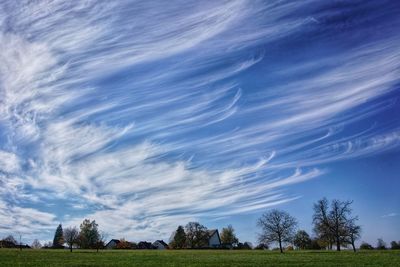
{"x":315,"y":244}
{"x":262,"y":246}
{"x":395,"y":245}
{"x":123,"y":244}
{"x":245,"y":245}
{"x":366,"y":246}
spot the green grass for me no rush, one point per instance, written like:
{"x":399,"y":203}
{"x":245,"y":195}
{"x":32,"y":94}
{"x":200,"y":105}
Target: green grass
{"x":200,"y":258}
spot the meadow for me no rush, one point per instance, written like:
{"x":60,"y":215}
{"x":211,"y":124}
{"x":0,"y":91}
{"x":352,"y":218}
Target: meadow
{"x":198,"y":258}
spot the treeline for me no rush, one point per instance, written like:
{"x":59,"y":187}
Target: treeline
{"x":195,"y":236}
{"x":87,"y":237}
{"x":334,"y":227}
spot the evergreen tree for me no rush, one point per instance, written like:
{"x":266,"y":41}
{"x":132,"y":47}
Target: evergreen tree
{"x":179,"y":240}
{"x":58,"y":240}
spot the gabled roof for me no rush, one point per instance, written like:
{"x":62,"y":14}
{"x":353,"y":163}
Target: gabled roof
{"x":162,"y":243}
{"x":212,"y":232}
{"x":116,"y":241}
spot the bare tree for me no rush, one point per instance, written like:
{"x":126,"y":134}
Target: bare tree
{"x":353,"y":232}
{"x":48,"y":244}
{"x":277,"y":226}
{"x":101,"y":241}
{"x":36,"y":244}
{"x":71,"y":235}
{"x":332,"y":223}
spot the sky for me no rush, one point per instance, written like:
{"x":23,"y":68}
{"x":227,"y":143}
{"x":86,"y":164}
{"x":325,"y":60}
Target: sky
{"x":145,"y":115}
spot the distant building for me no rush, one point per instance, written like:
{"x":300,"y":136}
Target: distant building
{"x":112,"y":244}
{"x":214,"y":241}
{"x":7,"y":244}
{"x":160,"y":244}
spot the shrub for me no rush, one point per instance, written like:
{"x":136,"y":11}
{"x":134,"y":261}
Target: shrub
{"x":395,"y":245}
{"x":262,"y":246}
{"x":366,"y":246}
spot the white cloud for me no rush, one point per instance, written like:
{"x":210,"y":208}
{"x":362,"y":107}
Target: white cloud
{"x":9,"y":162}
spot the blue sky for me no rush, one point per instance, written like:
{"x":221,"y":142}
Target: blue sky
{"x":144,"y":115}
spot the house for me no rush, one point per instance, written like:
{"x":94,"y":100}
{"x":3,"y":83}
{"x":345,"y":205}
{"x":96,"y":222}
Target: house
{"x":112,"y":244}
{"x":214,"y":241}
{"x":7,"y":244}
{"x":160,"y":244}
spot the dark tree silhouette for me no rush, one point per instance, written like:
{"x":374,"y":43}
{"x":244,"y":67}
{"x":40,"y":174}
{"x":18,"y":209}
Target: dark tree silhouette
{"x":353,"y":233}
{"x":366,"y":246}
{"x":179,"y":239}
{"x":395,"y":245}
{"x":58,"y":240}
{"x":11,"y":240}
{"x":277,"y":226}
{"x":332,"y":223}
{"x":196,"y":235}
{"x":381,"y":244}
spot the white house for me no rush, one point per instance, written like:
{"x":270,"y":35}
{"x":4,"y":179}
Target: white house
{"x":160,"y":244}
{"x":214,"y":241}
{"x":112,"y":244}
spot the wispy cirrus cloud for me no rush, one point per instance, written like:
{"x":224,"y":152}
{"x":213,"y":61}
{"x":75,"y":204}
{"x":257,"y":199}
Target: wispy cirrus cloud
{"x":392,"y":214}
{"x":149,"y":113}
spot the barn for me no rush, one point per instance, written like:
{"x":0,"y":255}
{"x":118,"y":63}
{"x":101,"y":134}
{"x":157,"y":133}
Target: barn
{"x":214,"y":241}
{"x":112,"y":244}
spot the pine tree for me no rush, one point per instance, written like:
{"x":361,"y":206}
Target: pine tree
{"x":179,"y":240}
{"x":58,"y":240}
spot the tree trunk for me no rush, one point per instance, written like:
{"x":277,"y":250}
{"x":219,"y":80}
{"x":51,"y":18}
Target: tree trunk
{"x":70,"y":248}
{"x":354,"y":247}
{"x":338,"y":243}
{"x":280,"y":246}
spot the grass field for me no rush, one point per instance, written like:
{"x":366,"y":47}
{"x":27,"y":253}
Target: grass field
{"x":11,"y":257}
